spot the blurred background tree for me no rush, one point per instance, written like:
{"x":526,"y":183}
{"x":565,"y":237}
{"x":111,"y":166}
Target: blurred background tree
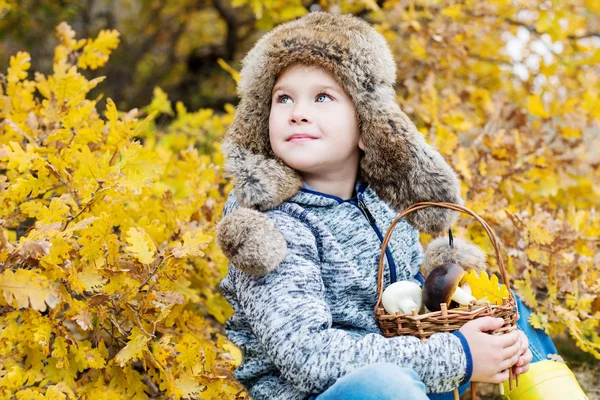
{"x":507,"y":91}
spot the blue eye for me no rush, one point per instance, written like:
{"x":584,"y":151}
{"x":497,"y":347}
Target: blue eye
{"x":323,"y":95}
{"x":281,"y":96}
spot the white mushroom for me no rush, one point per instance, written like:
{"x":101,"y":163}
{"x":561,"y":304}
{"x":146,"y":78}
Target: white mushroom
{"x":403,"y":297}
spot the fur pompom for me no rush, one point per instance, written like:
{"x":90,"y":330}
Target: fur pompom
{"x":466,"y":254}
{"x":251,"y":241}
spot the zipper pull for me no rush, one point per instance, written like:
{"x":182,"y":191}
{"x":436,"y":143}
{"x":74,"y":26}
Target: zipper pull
{"x":366,"y":211}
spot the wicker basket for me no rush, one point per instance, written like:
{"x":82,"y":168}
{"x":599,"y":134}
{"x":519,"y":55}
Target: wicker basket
{"x":445,"y":320}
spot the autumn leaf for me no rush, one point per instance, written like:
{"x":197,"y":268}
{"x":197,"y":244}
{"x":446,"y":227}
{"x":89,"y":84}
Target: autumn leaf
{"x":187,"y":386}
{"x":19,"y":65}
{"x":141,"y":245}
{"x":96,"y":52}
{"x":17,"y":158}
{"x":28,"y":286}
{"x":538,"y":321}
{"x":192,"y":245}
{"x":485,"y":288}
{"x":137,"y":344}
{"x":160,"y":103}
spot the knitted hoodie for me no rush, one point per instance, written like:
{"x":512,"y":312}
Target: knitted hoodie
{"x":302,"y":276}
{"x":310,"y":321}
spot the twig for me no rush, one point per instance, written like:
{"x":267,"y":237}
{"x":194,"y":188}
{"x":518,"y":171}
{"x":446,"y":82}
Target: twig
{"x":157,"y":263}
{"x":115,"y":323}
{"x":8,"y":121}
{"x":112,"y":336}
{"x":138,"y":320}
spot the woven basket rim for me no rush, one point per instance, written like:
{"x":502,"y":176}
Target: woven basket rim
{"x":455,"y":207}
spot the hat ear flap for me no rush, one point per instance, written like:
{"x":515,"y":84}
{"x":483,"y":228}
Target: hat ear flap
{"x":403,"y":169}
{"x":260,"y":182}
{"x":251,"y":241}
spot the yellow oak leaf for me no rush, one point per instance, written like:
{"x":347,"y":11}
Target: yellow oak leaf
{"x":61,"y":352}
{"x":192,"y":244}
{"x":484,"y":287}
{"x":96,"y":52}
{"x":55,"y":212}
{"x":84,"y":320}
{"x":141,"y":245}
{"x":18,"y":158}
{"x":134,"y":348}
{"x":190,"y":351}
{"x":526,"y":291}
{"x":232,"y":352}
{"x":61,"y":391}
{"x":187,"y":386}
{"x":160,"y":103}
{"x":28,"y":286}
{"x":19,"y":65}
{"x":538,"y":321}
{"x":540,"y":235}
{"x":86,"y":356}
{"x":66,"y":35}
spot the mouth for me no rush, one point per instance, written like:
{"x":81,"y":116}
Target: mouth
{"x":300,"y":137}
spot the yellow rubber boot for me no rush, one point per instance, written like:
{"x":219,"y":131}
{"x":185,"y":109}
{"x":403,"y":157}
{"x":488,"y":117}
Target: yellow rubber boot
{"x":546,"y":380}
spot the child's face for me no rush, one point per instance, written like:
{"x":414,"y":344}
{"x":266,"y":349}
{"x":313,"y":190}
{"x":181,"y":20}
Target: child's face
{"x":309,"y":100}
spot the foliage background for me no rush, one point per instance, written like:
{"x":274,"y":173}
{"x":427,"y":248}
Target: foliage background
{"x":108,"y":265}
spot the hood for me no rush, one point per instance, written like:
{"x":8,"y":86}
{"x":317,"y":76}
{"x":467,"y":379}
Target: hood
{"x":397,"y":163}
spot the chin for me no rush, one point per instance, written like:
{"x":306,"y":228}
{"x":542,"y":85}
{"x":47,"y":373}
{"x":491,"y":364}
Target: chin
{"x":300,"y":164}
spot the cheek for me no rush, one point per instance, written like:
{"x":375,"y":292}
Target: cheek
{"x":275,"y":123}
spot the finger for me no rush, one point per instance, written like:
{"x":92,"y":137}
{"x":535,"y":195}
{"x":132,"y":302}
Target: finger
{"x":485,"y":324}
{"x":524,"y":339}
{"x":508,"y":339}
{"x":509,"y":362}
{"x":522,"y":370}
{"x":500,"y":377}
{"x":525,"y":358}
{"x":514,"y":349}
{"x":510,"y":356}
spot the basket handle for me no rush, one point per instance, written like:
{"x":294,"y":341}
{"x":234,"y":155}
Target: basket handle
{"x":451,"y":206}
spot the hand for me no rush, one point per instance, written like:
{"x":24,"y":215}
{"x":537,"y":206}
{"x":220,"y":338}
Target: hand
{"x":522,"y":365}
{"x":492,"y":355}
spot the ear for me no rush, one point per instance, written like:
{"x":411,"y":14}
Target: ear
{"x":251,"y":241}
{"x":361,"y":144}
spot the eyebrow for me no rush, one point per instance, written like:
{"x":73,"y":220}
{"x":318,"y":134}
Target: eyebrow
{"x":321,"y":87}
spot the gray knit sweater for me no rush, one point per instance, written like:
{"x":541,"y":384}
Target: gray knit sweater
{"x":310,"y":321}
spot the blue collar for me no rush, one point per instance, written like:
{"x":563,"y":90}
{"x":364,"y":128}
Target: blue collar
{"x":362,"y":186}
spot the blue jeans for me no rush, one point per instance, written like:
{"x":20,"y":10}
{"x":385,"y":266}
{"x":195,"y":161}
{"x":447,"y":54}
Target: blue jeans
{"x":390,"y":381}
{"x":379,"y":381}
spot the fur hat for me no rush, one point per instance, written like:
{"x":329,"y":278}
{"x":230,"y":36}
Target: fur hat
{"x":398,"y":164}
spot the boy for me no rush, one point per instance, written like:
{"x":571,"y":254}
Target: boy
{"x":323,"y":159}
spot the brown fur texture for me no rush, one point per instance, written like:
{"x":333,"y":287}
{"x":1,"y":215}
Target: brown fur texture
{"x":466,"y":254}
{"x":251,"y":241}
{"x":260,"y":182}
{"x":398,"y":164}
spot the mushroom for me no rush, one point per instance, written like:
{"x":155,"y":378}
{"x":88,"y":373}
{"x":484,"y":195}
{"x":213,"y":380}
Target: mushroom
{"x":403,"y":296}
{"x":443,"y":286}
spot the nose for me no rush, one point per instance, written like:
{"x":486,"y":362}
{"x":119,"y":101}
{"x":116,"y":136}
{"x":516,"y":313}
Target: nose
{"x":298,"y":115}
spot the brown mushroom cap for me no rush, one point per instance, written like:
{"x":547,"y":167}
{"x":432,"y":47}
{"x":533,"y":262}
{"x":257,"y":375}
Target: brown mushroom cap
{"x":441,"y":284}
